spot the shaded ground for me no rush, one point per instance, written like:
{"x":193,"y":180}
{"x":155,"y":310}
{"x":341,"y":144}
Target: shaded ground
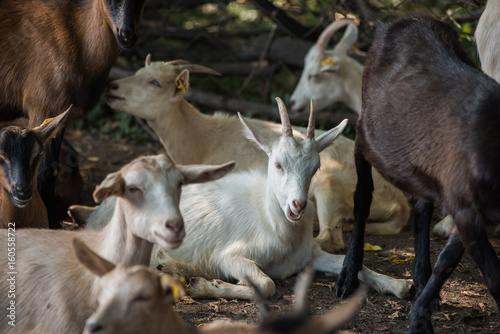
{"x":466,"y":303}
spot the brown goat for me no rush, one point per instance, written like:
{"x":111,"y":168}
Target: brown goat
{"x":57,"y":53}
{"x":20,"y":153}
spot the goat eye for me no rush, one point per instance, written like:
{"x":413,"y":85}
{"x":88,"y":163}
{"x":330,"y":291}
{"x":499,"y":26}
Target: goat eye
{"x":154,"y":82}
{"x":142,"y":298}
{"x":313,"y":76}
{"x":278,"y":166}
{"x":133,"y":189}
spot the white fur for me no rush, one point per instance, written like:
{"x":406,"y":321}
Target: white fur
{"x":331,"y":82}
{"x":488,"y":39}
{"x":54,"y":294}
{"x":241,"y":227}
{"x":192,"y":137}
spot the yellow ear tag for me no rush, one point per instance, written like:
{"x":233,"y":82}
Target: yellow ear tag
{"x":48,"y":120}
{"x":328,"y":62}
{"x":181,"y":86}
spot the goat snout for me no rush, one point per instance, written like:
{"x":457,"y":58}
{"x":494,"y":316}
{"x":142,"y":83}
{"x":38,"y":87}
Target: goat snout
{"x":113,"y":86}
{"x":299,"y":205}
{"x":175,"y":225}
{"x":21,"y":194}
{"x":92,"y":327}
{"x":127,"y":38}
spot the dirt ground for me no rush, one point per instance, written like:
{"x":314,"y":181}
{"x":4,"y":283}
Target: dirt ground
{"x":466,"y":304}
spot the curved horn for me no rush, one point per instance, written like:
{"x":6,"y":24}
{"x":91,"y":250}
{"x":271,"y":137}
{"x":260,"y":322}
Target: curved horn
{"x":311,"y":125}
{"x":148,"y":60}
{"x":177,"y":62}
{"x":198,"y":69}
{"x":347,"y":41}
{"x":286,"y":126}
{"x":327,"y":34}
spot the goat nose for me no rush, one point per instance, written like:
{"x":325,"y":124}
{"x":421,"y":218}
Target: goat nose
{"x":175,"y":225}
{"x":292,"y":103}
{"x":93,"y":327}
{"x":127,"y":35}
{"x":23,"y":190}
{"x":113,"y":86}
{"x":299,"y":205}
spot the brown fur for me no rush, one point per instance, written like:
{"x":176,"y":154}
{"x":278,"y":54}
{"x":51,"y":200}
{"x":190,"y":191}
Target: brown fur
{"x":54,"y":53}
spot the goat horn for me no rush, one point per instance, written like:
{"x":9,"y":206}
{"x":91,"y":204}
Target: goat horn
{"x":148,"y":60}
{"x":311,"y":125}
{"x":327,"y":34}
{"x":350,"y":37}
{"x":177,"y":62}
{"x":198,"y":69}
{"x":286,"y":126}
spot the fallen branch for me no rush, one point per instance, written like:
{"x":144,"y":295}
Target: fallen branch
{"x":263,"y":111}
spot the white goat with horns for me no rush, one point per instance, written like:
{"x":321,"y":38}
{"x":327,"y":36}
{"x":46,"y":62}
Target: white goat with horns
{"x":330,"y":76}
{"x":255,"y":225}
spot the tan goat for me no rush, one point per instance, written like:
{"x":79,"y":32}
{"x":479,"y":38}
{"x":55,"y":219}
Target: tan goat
{"x":50,"y":291}
{"x":139,"y":299}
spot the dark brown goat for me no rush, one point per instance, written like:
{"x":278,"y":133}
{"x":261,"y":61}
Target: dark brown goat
{"x":20,"y":153}
{"x":57,"y":53}
{"x":429,"y":124}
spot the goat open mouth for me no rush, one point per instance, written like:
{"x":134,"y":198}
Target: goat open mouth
{"x":112,"y":98}
{"x":293,"y":216}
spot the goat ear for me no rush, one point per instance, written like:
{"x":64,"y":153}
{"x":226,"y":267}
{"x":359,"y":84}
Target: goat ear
{"x":172,"y":288}
{"x":51,"y":126}
{"x":91,"y":260}
{"x":181,"y":86}
{"x":205,"y":173}
{"x":327,"y":138}
{"x":264,"y":139}
{"x":336,"y":319}
{"x":113,"y":185}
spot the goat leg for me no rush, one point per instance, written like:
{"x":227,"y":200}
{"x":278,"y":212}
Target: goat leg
{"x":475,"y":240}
{"x":448,"y":259}
{"x":422,"y":268}
{"x":347,"y":281}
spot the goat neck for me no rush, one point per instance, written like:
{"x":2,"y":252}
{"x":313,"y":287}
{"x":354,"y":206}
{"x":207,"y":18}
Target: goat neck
{"x":184,"y":126}
{"x":117,"y":235}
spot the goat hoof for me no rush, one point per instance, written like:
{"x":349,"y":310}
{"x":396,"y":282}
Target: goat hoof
{"x":420,"y":321}
{"x":346,"y":284}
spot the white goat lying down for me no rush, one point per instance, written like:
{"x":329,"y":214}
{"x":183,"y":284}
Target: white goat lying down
{"x":330,"y":76}
{"x":156,"y":93}
{"x":139,"y":299}
{"x":53,"y":293}
{"x":254,"y":225}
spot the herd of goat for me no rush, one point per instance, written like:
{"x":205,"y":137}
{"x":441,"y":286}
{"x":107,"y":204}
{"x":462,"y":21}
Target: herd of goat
{"x":252,"y":191}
